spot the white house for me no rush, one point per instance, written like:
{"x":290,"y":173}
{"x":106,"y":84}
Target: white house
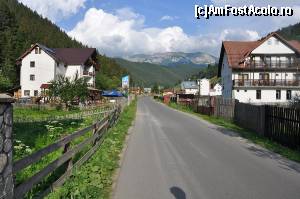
{"x":216,"y":90}
{"x":263,"y":71}
{"x":204,"y":87}
{"x":190,"y":87}
{"x":39,"y":65}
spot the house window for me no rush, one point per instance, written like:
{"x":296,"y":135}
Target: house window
{"x":40,"y":50}
{"x":288,"y":94}
{"x":26,"y":92}
{"x":245,"y":90}
{"x":258,"y":94}
{"x":32,"y":64}
{"x":278,"y":94}
{"x":36,"y":93}
{"x":32,"y":77}
{"x":36,"y":50}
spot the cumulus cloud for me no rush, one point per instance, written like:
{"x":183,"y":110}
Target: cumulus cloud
{"x":271,"y":23}
{"x":168,"y":18}
{"x":123,"y":33}
{"x":55,"y":9}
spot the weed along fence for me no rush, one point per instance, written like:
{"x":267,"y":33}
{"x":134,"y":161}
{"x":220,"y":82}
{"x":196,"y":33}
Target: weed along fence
{"x":74,"y":150}
{"x":280,"y":124}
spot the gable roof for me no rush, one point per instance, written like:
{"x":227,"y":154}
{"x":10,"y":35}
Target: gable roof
{"x":69,"y":56}
{"x":74,"y":56}
{"x":189,"y":85}
{"x":237,"y":51}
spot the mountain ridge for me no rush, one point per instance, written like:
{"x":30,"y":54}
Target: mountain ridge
{"x":174,"y":58}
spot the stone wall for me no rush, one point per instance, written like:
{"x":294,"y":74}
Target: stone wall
{"x":6,"y":161}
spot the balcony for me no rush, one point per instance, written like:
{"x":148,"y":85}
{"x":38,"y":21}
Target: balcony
{"x":265,"y":82}
{"x":291,"y":63}
{"x":88,"y":74}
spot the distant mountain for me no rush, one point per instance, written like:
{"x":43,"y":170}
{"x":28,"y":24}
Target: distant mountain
{"x":147,"y":74}
{"x":174,"y":58}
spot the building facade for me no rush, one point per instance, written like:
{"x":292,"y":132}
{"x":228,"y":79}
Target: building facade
{"x":39,"y":65}
{"x":263,"y":71}
{"x":189,"y":87}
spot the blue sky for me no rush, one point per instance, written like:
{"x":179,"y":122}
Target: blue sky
{"x":126,"y":27}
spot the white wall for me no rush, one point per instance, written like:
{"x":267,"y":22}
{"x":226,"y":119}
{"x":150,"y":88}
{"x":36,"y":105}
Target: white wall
{"x":216,"y":91}
{"x":43,"y":71}
{"x":204,"y":87}
{"x":71,"y":71}
{"x":191,"y":91}
{"x":267,"y":95}
{"x":227,"y":77}
{"x":271,"y":46}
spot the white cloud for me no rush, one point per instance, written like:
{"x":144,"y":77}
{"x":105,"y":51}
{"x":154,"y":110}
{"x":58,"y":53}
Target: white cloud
{"x":168,"y":18}
{"x":55,"y":9}
{"x":256,"y":2}
{"x":124,"y":33}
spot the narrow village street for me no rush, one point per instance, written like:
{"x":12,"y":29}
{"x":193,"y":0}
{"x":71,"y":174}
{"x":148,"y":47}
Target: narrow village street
{"x":176,"y":155}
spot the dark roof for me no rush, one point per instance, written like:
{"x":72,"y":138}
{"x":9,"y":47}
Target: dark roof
{"x":112,"y":93}
{"x":74,"y":56}
{"x":70,"y":56}
{"x":189,"y":85}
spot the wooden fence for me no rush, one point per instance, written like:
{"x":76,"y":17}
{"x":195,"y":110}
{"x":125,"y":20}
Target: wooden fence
{"x":94,"y":141}
{"x":224,"y":108}
{"x":283,"y":125}
{"x":80,"y":115}
{"x":250,"y":116}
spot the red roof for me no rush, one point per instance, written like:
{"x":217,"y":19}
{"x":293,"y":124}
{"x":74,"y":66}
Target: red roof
{"x":237,"y":51}
{"x":45,"y":86}
{"x":295,"y":44}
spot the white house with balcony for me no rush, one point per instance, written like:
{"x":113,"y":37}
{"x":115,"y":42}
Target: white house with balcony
{"x":39,"y":65}
{"x":264,"y":71}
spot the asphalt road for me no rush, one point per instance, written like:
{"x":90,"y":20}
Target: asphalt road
{"x":176,"y":155}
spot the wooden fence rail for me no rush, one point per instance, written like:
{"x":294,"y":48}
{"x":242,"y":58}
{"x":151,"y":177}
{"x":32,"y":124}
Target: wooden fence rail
{"x":80,"y":115}
{"x":99,"y":128}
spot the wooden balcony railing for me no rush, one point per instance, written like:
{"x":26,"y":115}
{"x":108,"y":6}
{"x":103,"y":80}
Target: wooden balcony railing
{"x":87,"y":73}
{"x":272,"y":65}
{"x":265,"y":82}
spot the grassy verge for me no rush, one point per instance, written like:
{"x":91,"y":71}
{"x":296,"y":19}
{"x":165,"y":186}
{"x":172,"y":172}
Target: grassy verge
{"x":32,"y":136}
{"x":253,"y":137}
{"x":94,"y":178}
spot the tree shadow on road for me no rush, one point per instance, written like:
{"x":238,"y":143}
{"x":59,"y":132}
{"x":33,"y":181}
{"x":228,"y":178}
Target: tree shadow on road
{"x":178,"y":193}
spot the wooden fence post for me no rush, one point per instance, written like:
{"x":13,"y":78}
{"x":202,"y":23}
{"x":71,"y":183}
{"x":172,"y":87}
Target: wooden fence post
{"x":6,"y":147}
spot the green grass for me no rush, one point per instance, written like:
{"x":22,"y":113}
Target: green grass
{"x":253,"y":137}
{"x":32,"y":136}
{"x":94,"y":179}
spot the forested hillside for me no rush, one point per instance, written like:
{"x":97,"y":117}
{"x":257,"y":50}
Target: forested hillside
{"x":291,"y":32}
{"x":148,"y":74}
{"x":20,"y":27}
